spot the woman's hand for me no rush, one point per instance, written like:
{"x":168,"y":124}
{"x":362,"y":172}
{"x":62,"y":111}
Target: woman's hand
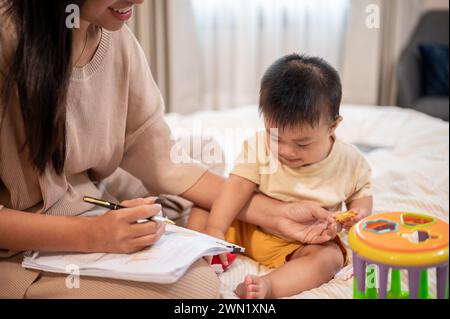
{"x":118,"y":231}
{"x":306,"y":223}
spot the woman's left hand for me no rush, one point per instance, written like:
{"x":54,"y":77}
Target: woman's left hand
{"x":306,"y":223}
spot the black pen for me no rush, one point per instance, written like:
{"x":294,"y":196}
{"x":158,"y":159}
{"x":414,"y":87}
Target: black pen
{"x":113,"y":206}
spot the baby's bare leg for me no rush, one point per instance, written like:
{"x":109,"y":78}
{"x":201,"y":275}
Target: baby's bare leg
{"x":198,"y":219}
{"x":308,"y":268}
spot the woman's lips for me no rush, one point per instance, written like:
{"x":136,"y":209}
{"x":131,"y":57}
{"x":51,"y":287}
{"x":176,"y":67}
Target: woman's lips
{"x":123,"y":14}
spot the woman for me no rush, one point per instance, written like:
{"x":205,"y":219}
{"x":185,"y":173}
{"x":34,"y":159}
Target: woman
{"x":78,"y":105}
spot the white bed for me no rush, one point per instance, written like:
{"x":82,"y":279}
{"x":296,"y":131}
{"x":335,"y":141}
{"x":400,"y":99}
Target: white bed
{"x":410,"y":169}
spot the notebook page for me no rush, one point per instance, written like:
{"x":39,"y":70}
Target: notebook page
{"x":164,"y":262}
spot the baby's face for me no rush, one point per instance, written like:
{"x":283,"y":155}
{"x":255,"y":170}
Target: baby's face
{"x":303,"y":145}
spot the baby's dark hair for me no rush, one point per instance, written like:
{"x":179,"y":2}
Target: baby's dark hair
{"x":298,"y":89}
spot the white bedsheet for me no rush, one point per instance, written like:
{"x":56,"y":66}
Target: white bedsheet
{"x":410,"y":170}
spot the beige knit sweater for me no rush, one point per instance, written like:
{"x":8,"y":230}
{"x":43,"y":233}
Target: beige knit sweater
{"x":114,"y":120}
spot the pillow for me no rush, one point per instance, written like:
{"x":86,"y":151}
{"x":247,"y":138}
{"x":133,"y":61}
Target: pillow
{"x":434,"y":69}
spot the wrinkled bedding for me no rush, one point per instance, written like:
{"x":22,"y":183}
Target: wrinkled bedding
{"x":408,"y":152}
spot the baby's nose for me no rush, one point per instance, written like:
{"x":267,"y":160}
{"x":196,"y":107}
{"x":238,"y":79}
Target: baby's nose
{"x":287,"y":151}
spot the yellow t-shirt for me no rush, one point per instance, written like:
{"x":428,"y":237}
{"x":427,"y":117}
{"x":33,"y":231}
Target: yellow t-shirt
{"x":342,"y":177}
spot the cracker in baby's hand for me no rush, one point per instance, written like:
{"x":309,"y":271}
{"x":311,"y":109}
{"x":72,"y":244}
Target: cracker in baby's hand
{"x":344,"y":217}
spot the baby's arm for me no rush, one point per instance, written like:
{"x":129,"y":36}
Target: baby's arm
{"x":231,"y":200}
{"x":361,"y":200}
{"x":362,"y":206}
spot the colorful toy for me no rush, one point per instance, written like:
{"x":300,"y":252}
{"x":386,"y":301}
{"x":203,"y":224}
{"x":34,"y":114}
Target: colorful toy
{"x":399,"y":241}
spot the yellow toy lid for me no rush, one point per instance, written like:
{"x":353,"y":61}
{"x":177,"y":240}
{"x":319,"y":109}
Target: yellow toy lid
{"x":403,"y":232}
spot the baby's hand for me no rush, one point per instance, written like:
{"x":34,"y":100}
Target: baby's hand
{"x":220,"y":235}
{"x":222,"y":257}
{"x":346,"y":220}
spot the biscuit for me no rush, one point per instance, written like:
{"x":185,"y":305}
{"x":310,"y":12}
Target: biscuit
{"x":344,"y":217}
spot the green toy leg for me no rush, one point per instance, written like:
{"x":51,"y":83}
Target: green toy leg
{"x":356,"y":293}
{"x":396,"y":286}
{"x":423,"y":288}
{"x":395,"y":291}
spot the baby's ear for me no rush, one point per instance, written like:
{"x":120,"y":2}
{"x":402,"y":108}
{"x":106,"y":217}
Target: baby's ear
{"x":336,"y":124}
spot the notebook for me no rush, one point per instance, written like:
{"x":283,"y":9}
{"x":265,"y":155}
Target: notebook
{"x":165,"y":262}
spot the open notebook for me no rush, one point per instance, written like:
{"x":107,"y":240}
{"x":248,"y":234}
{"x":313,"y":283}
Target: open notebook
{"x":164,"y":262}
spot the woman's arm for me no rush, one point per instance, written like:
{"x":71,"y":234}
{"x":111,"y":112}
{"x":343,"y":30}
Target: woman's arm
{"x":115,"y":232}
{"x":295,"y":221}
{"x":259,"y":210}
{"x":28,"y":231}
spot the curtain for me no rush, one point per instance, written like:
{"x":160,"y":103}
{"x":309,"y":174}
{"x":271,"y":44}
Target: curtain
{"x":371,"y":54}
{"x":361,"y":55}
{"x":150,"y":26}
{"x":211,"y":54}
{"x":399,"y":20}
{"x":221,"y":48}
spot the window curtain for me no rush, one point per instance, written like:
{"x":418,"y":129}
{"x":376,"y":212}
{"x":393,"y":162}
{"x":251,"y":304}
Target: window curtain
{"x":399,"y":20}
{"x":226,"y":45}
{"x":211,"y":54}
{"x":371,"y":54}
{"x":150,"y":26}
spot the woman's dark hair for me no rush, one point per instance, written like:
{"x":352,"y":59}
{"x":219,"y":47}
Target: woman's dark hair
{"x":298,"y":89}
{"x":40,"y":70}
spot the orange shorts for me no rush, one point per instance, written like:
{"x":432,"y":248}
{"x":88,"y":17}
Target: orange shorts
{"x":265,"y":248}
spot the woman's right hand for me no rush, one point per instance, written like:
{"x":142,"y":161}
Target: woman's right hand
{"x":118,"y":231}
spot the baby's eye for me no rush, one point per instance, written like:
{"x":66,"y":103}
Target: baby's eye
{"x":303,"y":145}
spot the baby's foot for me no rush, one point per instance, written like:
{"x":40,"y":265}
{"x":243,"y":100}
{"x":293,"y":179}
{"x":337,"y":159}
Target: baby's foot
{"x":254,"y":287}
